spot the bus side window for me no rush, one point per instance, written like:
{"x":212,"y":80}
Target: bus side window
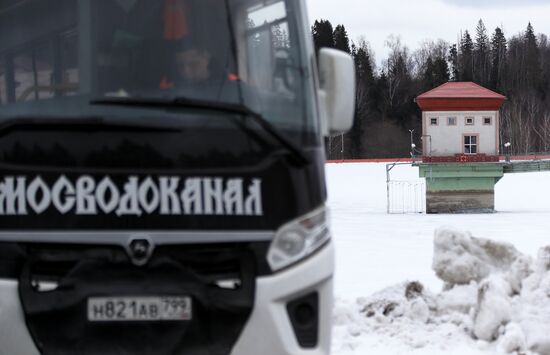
{"x":34,"y":73}
{"x":268,"y":47}
{"x":69,"y":64}
{"x":25,"y":75}
{"x":42,"y":70}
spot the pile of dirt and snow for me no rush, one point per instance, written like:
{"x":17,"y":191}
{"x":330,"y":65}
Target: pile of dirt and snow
{"x":495,"y":300}
{"x":459,"y":258}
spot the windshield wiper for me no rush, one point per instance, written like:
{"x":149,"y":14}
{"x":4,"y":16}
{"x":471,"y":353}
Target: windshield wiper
{"x":188,"y":103}
{"x":88,"y":123}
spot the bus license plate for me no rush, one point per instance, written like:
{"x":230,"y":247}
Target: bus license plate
{"x":108,"y":309}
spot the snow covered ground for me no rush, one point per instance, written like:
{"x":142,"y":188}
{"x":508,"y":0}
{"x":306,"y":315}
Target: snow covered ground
{"x":377,"y":253}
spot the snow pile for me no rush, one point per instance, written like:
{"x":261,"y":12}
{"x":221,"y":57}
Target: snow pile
{"x":459,"y":258}
{"x":495,"y":300}
{"x":408,"y":317}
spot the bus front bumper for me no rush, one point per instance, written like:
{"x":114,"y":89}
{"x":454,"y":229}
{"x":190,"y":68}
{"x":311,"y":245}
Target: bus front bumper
{"x":269,"y":330}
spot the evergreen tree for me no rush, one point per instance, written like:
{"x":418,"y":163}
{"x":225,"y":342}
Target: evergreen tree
{"x":322,"y":32}
{"x":435,"y":74}
{"x":481,"y":55}
{"x":355,"y":139}
{"x":515,"y":69}
{"x":453,"y":60}
{"x":466,"y":57}
{"x":544,"y":49}
{"x":441,"y":71}
{"x":341,"y":40}
{"x":380,"y":99}
{"x":498,"y":59}
{"x":428,"y":76}
{"x":363,"y":63}
{"x":532,"y":61}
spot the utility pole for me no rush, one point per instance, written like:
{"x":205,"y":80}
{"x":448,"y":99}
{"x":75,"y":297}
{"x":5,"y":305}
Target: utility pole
{"x":413,"y":146}
{"x":507,"y":146}
{"x":342,"y":151}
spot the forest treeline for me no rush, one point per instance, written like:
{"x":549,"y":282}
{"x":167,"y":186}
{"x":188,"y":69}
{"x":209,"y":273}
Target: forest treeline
{"x":517,"y":67}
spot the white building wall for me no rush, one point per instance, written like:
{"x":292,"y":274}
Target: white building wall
{"x":448,"y":140}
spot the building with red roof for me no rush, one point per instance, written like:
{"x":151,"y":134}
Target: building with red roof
{"x":460,"y":120}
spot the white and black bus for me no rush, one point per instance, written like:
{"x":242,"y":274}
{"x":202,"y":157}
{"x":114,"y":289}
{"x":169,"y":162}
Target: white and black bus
{"x":162,"y":184}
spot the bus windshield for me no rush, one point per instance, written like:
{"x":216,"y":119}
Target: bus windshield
{"x":58,"y":56}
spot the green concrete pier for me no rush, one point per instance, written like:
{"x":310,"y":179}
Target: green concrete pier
{"x":461,"y":188}
{"x":527,"y":166}
{"x":468,"y":187}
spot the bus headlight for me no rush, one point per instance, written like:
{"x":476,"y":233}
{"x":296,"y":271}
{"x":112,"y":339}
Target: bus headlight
{"x":299,"y":238}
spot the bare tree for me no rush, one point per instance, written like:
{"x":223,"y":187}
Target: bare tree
{"x":544,"y":131}
{"x":398,"y":68}
{"x":428,"y":49}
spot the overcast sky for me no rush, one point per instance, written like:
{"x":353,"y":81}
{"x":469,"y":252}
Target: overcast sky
{"x":418,"y":20}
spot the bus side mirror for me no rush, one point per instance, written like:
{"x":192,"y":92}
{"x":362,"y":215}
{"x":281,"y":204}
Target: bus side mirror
{"x":337,"y":93}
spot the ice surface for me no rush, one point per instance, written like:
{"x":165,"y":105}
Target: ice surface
{"x":368,"y":240}
{"x":375,"y":250}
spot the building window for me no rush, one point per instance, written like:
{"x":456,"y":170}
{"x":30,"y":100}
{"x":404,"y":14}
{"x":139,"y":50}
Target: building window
{"x":469,"y":121}
{"x":487,"y":121}
{"x":433,"y":121}
{"x":470,"y":144}
{"x":451,"y":121}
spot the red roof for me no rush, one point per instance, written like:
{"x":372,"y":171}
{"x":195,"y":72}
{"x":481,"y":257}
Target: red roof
{"x":460,"y":96}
